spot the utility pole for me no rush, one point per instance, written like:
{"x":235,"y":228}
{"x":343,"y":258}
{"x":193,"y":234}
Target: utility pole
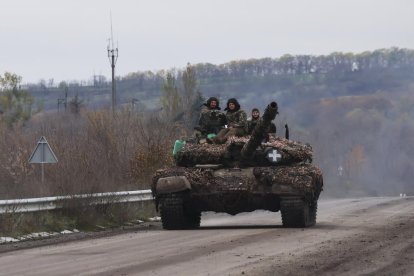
{"x":113,"y":57}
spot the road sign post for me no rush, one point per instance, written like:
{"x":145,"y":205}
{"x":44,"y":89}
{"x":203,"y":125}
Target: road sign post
{"x":43,"y":154}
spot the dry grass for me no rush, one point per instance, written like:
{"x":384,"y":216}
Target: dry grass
{"x":97,"y":152}
{"x":82,"y":217}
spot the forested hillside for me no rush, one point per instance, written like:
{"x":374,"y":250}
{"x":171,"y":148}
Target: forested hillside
{"x":356,"y":110}
{"x":289,"y":78}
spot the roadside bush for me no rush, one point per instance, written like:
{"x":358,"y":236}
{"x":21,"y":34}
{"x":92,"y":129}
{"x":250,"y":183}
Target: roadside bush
{"x":96,"y":152}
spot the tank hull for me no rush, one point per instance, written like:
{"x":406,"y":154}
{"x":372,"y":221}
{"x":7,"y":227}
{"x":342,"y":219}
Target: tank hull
{"x":241,"y":190}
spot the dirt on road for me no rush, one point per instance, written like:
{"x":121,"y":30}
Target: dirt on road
{"x":367,"y":236}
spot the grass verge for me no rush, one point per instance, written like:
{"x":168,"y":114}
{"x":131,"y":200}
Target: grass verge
{"x":81,"y":217}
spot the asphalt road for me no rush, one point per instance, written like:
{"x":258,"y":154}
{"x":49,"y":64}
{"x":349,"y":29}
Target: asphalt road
{"x":368,"y":236}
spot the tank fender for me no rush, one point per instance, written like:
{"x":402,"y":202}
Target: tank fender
{"x":172,"y":184}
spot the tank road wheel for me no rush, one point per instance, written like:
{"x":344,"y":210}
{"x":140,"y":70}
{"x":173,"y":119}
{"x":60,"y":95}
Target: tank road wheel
{"x":297,"y":213}
{"x":174,"y":215}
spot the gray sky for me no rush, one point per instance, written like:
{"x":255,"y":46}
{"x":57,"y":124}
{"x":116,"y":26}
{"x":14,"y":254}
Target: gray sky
{"x":67,"y":40}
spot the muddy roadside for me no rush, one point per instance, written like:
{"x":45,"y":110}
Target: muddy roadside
{"x":65,"y":238}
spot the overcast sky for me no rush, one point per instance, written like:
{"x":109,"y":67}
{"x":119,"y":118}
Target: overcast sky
{"x":67,"y":40}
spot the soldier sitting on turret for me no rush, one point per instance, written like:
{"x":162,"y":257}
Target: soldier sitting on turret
{"x":211,"y":120}
{"x":252,"y":121}
{"x":236,"y":122}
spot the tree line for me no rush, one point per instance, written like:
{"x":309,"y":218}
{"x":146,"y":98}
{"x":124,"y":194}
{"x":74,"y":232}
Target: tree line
{"x":287,"y":77}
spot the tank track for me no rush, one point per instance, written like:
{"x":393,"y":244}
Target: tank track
{"x":297,"y":213}
{"x":175,"y":216}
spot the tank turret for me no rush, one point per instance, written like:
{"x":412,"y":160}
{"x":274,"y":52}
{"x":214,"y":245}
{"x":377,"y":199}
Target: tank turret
{"x":245,"y":151}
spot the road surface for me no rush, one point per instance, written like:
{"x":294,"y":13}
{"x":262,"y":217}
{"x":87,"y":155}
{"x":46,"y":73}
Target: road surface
{"x":368,"y":236}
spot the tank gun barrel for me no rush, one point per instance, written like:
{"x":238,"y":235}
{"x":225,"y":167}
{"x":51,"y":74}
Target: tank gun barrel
{"x":260,"y":129}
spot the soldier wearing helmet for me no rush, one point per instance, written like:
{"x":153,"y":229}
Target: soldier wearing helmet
{"x":211,"y":120}
{"x":236,"y":121}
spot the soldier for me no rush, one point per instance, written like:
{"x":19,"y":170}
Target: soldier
{"x":211,"y":119}
{"x":236,"y":122}
{"x":252,"y":121}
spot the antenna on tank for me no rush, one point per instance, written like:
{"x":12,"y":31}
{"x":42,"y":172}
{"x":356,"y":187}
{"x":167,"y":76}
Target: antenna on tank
{"x":113,"y":57}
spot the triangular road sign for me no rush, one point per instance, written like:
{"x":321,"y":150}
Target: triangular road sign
{"x":43,"y":153}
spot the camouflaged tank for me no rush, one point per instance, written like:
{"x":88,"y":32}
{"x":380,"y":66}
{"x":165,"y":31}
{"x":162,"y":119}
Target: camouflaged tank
{"x":240,"y":175}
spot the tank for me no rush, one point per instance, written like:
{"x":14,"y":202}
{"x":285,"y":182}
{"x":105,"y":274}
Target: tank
{"x":242,"y":175}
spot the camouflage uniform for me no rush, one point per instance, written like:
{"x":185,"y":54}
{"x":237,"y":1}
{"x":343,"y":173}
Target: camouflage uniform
{"x":236,"y":122}
{"x":252,"y":122}
{"x":236,"y":119}
{"x":211,"y":120}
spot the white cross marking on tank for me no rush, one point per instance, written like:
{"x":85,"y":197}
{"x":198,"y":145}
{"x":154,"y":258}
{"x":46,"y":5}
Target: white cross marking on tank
{"x":274,"y":155}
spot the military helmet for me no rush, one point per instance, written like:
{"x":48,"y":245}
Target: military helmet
{"x":235,"y":102}
{"x":213,"y":99}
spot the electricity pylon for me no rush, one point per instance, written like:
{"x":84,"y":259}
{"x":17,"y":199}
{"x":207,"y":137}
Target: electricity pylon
{"x":113,"y":57}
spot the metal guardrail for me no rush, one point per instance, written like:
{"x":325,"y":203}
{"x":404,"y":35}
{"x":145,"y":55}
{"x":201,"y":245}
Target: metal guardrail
{"x":51,"y":203}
